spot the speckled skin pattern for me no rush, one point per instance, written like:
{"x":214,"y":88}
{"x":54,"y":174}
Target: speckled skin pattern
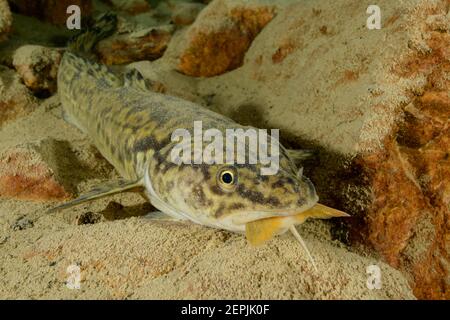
{"x":132,"y":128}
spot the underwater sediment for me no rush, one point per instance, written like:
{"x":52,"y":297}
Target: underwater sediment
{"x":375,"y":105}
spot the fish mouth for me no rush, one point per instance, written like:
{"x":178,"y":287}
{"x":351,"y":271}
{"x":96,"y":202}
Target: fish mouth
{"x":244,"y":218}
{"x":250,"y":216}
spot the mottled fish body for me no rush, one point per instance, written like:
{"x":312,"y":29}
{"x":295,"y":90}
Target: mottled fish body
{"x":128,"y":123}
{"x":132,"y":128}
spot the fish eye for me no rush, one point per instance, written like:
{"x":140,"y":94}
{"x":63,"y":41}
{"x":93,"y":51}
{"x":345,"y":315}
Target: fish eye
{"x":227,"y":178}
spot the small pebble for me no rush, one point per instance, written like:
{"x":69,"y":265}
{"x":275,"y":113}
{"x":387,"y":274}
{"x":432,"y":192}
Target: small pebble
{"x":22,"y":223}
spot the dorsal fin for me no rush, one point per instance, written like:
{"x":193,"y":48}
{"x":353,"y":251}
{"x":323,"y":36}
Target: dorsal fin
{"x":73,"y":66}
{"x":134,"y":78}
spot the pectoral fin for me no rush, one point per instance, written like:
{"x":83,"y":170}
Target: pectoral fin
{"x":102,"y":190}
{"x":259,"y":231}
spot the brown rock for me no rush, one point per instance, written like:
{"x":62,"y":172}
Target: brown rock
{"x":15,"y":99}
{"x":53,"y":11}
{"x":218,"y":40}
{"x":27,"y":173}
{"x":131,"y":7}
{"x":148,"y":44}
{"x":5,"y":19}
{"x":184,"y":13}
{"x":38,"y":67}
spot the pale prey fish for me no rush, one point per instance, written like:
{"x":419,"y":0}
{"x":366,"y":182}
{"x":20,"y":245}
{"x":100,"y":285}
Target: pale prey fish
{"x":132,"y":127}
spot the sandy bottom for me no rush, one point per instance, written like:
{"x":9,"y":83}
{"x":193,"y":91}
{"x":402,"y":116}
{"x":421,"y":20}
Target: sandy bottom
{"x":126,"y":254}
{"x":153,"y":257}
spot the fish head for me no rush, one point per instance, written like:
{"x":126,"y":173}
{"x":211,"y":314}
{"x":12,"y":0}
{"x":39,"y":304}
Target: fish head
{"x":228,"y":196}
{"x":252,"y":196}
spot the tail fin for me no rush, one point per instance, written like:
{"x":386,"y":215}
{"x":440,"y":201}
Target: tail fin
{"x":77,"y":61}
{"x":103,"y":26}
{"x":78,"y":74}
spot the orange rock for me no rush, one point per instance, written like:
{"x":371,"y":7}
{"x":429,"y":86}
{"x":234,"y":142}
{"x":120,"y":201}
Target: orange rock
{"x":53,"y":11}
{"x":143,"y":45}
{"x":410,"y":182}
{"x":15,"y":98}
{"x":26,"y":174}
{"x":220,"y":37}
{"x":282,"y":52}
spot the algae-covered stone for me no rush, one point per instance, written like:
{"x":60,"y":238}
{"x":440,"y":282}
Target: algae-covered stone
{"x":15,"y":99}
{"x":38,"y":67}
{"x":5,"y":19}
